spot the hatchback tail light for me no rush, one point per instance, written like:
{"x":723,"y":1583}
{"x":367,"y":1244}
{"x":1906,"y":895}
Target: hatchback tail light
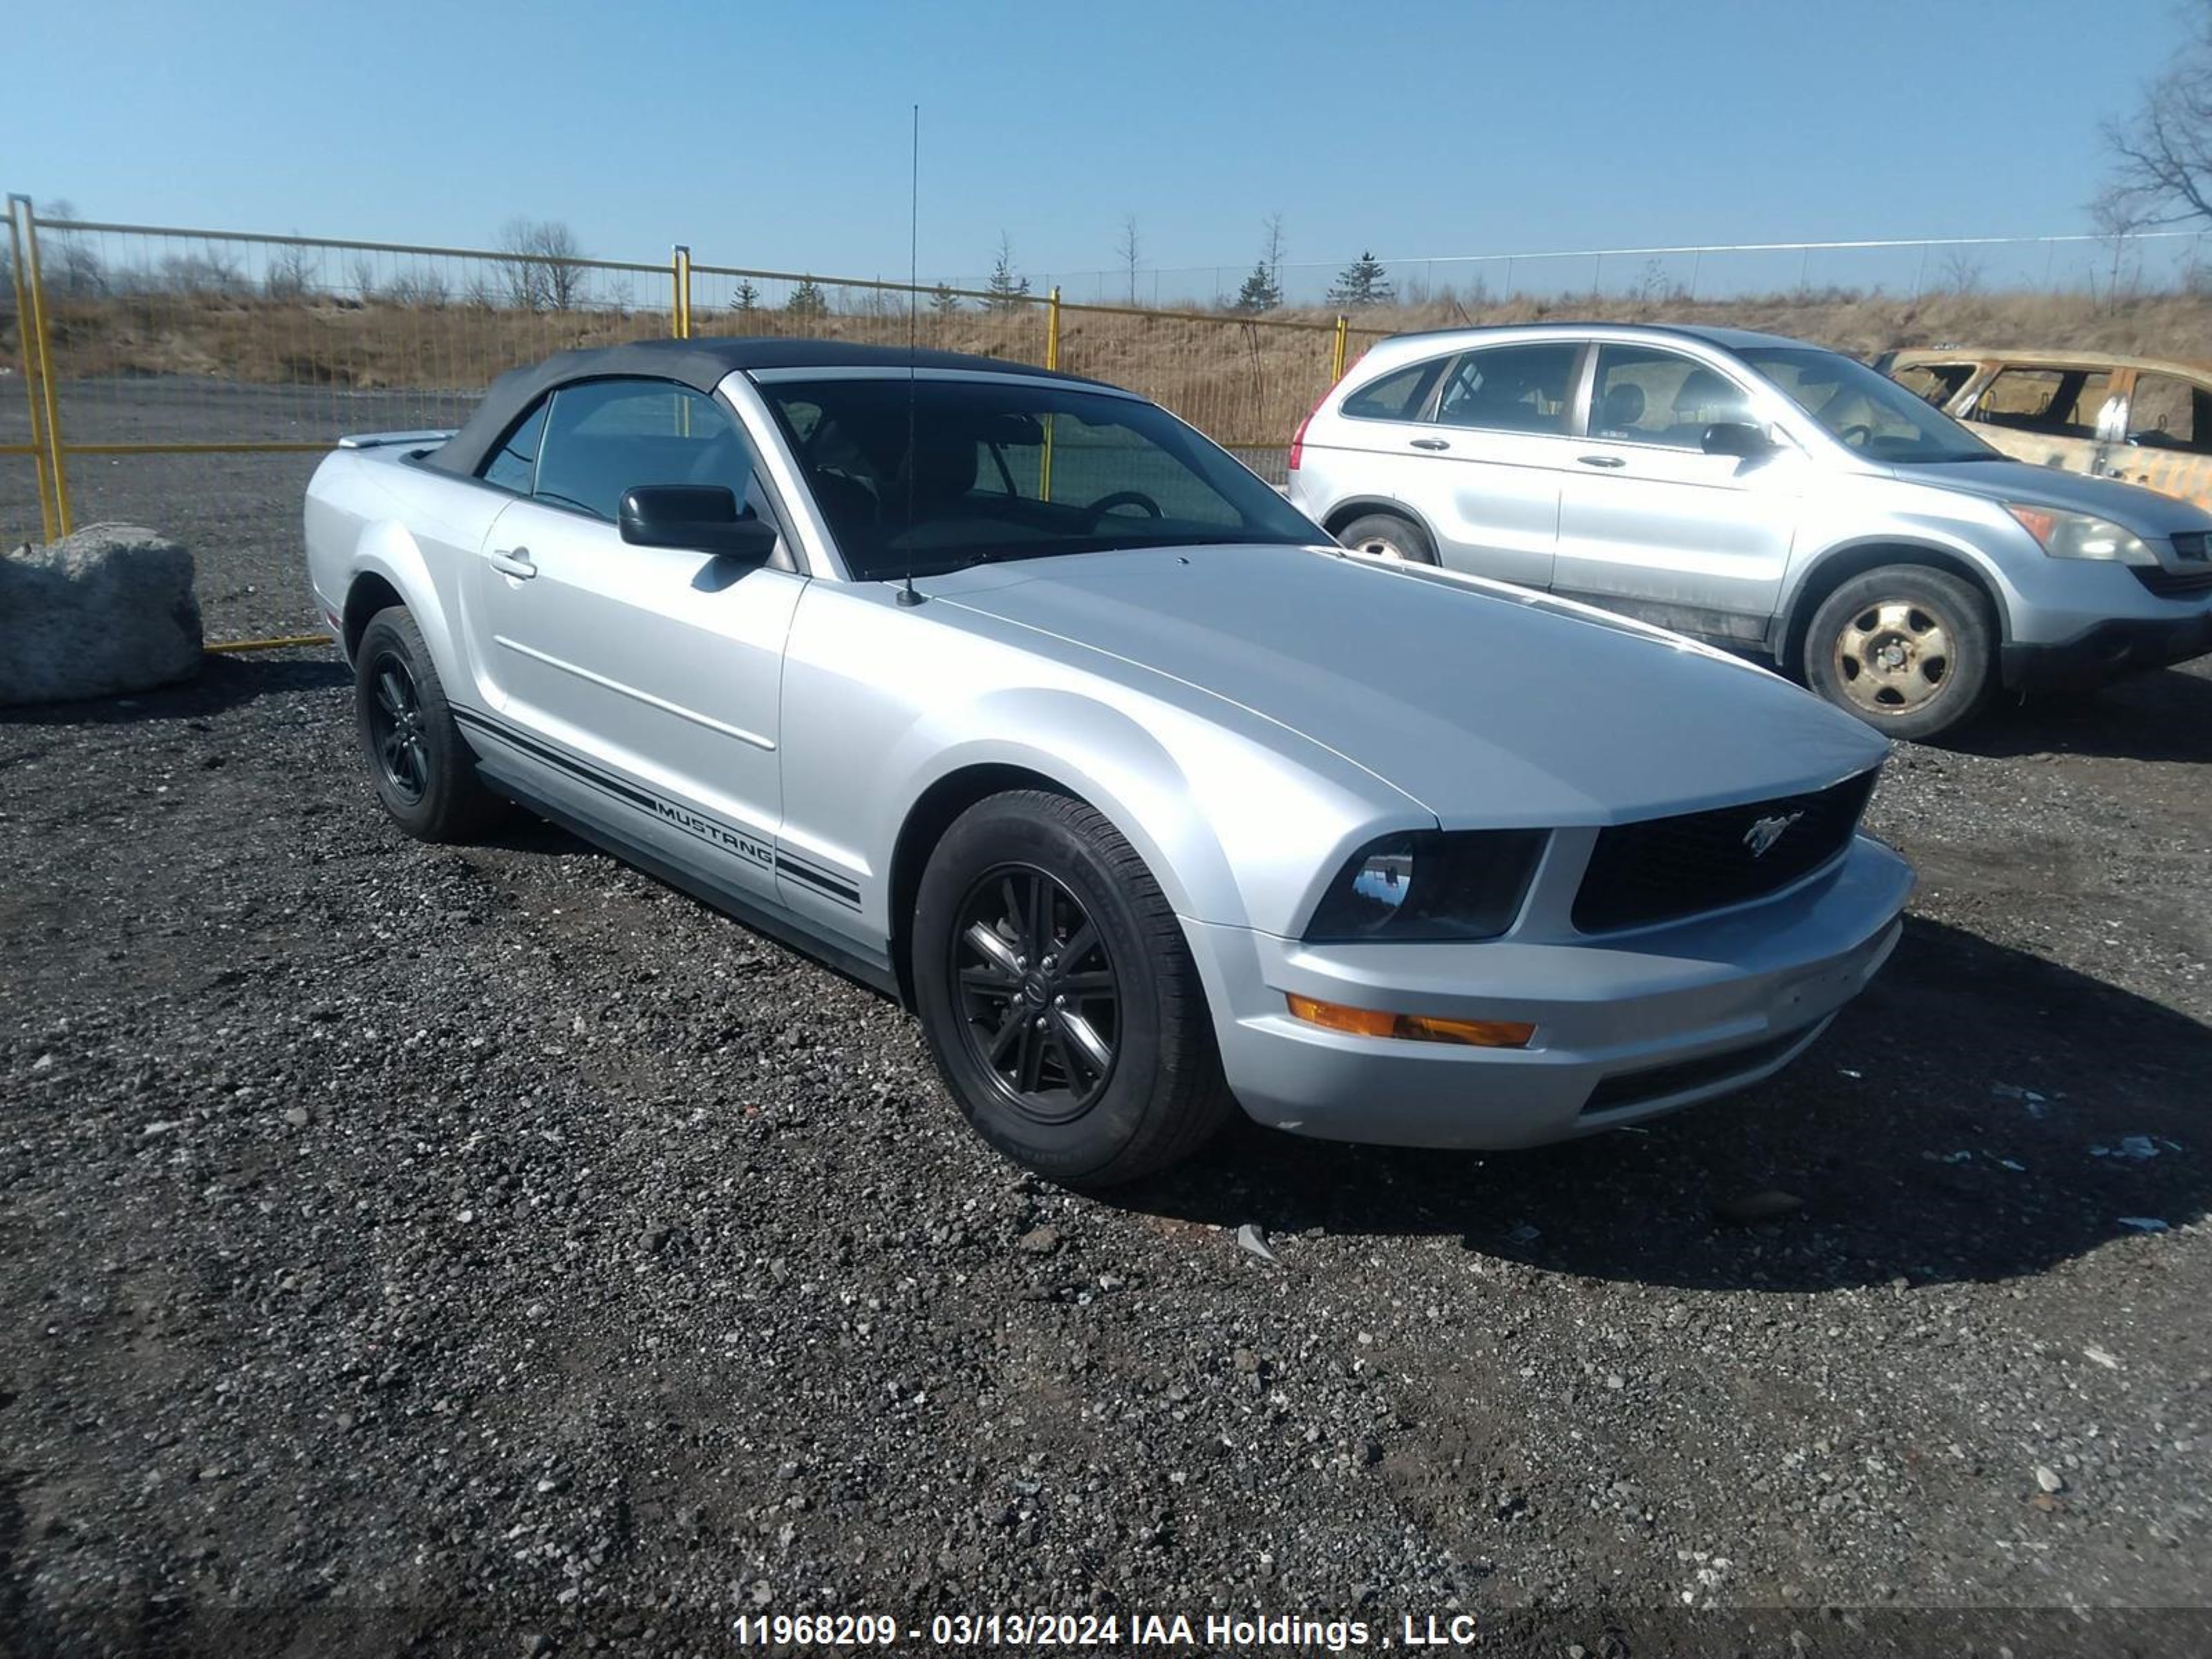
{"x":1298,"y":438}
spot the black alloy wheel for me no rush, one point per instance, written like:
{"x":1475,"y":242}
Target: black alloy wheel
{"x":1041,"y":1002}
{"x":395,"y":725}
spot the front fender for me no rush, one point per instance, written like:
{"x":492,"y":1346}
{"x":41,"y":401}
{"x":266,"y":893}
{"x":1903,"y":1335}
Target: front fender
{"x":1099,"y":754}
{"x":1239,"y":819}
{"x":1935,"y":541}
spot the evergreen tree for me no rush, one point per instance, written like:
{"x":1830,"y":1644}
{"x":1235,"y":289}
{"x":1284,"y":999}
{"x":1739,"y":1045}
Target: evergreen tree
{"x":1007,"y":290}
{"x":747,"y":298}
{"x":1261,"y":291}
{"x":1361,"y":283}
{"x":807,"y":300}
{"x":943,"y":300}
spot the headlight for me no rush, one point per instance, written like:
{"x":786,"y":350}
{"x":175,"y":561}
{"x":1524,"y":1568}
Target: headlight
{"x":1429,"y":884}
{"x":2080,"y":536}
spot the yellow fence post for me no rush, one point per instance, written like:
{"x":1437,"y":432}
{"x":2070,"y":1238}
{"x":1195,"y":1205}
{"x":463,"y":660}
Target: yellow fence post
{"x":27,"y":354}
{"x":679,"y":310}
{"x":1336,"y":349}
{"x":50,"y":405}
{"x":1051,"y":361}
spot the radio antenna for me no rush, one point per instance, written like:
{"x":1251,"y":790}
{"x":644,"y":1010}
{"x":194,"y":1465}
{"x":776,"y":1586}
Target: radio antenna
{"x":907,"y":595}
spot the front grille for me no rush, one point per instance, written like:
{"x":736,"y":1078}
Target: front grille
{"x":2191,"y":544}
{"x":1664,"y":868}
{"x":1624,"y":1089}
{"x":2173,"y":584}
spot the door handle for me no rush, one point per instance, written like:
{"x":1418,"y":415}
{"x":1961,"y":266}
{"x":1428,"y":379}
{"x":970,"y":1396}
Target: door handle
{"x":1430,"y":443}
{"x":515,"y":563}
{"x":1601,"y":461}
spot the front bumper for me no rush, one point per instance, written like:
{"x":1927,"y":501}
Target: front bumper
{"x":2107,"y":651}
{"x":1627,"y":1027}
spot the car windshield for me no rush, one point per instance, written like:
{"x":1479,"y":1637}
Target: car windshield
{"x":1000,"y":469}
{"x":1870,"y":412}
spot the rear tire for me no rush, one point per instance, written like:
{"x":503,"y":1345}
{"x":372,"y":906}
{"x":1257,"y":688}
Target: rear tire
{"x":1058,"y":996}
{"x":1908,"y":649}
{"x":422,"y":771}
{"x":1388,"y":536}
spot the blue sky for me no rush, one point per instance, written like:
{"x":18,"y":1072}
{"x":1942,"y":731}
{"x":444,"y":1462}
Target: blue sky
{"x":776,"y":133}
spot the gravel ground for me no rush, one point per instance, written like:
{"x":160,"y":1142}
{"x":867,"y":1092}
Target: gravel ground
{"x":469,"y":1246}
{"x":491,"y":1251}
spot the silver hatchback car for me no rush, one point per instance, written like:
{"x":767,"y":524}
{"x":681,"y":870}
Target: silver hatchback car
{"x":1762,"y":494}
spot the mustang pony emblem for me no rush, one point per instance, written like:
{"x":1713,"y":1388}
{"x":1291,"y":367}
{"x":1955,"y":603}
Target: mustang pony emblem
{"x":1762,"y":836}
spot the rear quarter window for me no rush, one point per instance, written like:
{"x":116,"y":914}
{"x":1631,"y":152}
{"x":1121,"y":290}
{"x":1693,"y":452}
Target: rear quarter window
{"x":513,"y":465}
{"x":1397,"y":395}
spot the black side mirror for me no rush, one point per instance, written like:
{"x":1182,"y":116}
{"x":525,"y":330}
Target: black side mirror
{"x":1744,"y":441}
{"x":697,"y":518}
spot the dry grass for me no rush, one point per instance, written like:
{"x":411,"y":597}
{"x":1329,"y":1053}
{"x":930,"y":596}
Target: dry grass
{"x":1246,"y":383}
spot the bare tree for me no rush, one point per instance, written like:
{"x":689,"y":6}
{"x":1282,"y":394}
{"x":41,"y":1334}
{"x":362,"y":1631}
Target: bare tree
{"x":71,"y":264}
{"x":548,"y":275}
{"x":1962,"y":272}
{"x":290,"y":272}
{"x":362,"y":274}
{"x":2118,"y":217}
{"x":1131,"y":251}
{"x":424,"y":286}
{"x":2162,"y":158}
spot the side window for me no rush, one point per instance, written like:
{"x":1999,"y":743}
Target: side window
{"x":1398,"y":395}
{"x":2055,"y":402}
{"x":605,"y":436}
{"x":513,"y":464}
{"x":1647,"y":397}
{"x":2170,"y":413}
{"x":1516,"y":388}
{"x":1935,"y":384}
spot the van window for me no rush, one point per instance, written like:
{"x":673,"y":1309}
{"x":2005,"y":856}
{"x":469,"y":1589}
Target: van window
{"x":1935,"y":384}
{"x":2168,"y":412}
{"x":2055,"y":402}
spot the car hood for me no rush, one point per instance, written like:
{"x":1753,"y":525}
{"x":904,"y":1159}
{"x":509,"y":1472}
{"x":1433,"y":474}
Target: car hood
{"x":2133,"y":506}
{"x":1487,"y":704}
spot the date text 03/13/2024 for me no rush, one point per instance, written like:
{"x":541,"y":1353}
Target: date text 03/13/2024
{"x":1105,"y":1631}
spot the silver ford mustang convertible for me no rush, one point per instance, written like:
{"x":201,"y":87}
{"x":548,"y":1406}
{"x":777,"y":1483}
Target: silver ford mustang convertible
{"x":1013,"y":696}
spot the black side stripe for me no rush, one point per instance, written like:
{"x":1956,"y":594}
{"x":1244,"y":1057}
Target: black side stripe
{"x":685,"y":818}
{"x":785,"y":865}
{"x":553,"y":757}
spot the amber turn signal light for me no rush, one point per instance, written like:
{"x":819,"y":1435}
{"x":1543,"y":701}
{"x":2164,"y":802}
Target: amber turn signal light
{"x":1418,"y":1028}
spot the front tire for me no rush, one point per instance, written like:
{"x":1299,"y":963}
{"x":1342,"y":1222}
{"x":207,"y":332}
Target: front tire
{"x":1058,"y":996}
{"x":1908,"y":649}
{"x":422,"y":772}
{"x":1387,"y":536}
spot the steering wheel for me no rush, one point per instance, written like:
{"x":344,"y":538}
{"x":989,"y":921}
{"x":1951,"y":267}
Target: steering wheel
{"x":1858,"y":435}
{"x":1105,"y":504}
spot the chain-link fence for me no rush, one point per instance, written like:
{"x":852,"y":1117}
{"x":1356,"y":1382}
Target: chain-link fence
{"x":190,"y":379}
{"x":194,"y":377}
{"x":2165,"y":261}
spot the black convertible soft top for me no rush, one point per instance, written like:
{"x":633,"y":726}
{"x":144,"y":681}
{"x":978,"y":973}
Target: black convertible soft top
{"x":699,"y":364}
